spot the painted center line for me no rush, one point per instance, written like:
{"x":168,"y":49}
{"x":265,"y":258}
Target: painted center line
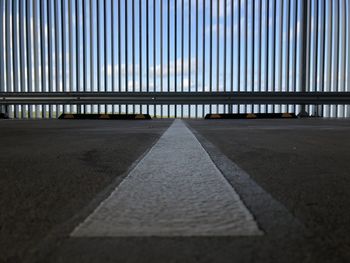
{"x":175,"y":190}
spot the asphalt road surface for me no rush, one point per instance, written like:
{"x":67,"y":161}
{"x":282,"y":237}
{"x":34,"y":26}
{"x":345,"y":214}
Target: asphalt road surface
{"x":158,"y":191}
{"x":52,"y":169}
{"x":304,"y":164}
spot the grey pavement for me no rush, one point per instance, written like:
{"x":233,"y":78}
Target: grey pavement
{"x":175,"y":190}
{"x":303,"y":164}
{"x":291,"y":175}
{"x":51,"y":169}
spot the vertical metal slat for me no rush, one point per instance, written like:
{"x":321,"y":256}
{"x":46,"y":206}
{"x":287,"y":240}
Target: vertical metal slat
{"x":119,"y":49}
{"x":168,"y":33}
{"x":22,"y":50}
{"x":63,"y":36}
{"x":315,"y":55}
{"x":309,"y":40}
{"x":232,"y":45}
{"x":335,"y":46}
{"x":161,"y":48}
{"x":85,"y":41}
{"x":267,"y":45}
{"x":70,"y":28}
{"x":253,"y":50}
{"x":112,"y":45}
{"x":133,"y":46}
{"x":2,"y":49}
{"x":77,"y":31}
{"x":323,"y":46}
{"x":197,"y":33}
{"x":203,"y":56}
{"x":288,"y":44}
{"x":105,"y":49}
{"x":29,"y":46}
{"x":154,"y":46}
{"x":57,"y":51}
{"x":92,"y":71}
{"x":189,"y":43}
{"x":343,"y":55}
{"x":274,"y":46}
{"x":182,"y":45}
{"x":217,"y":46}
{"x":246,"y":50}
{"x":98,"y":39}
{"x":15,"y":45}
{"x":260,"y":46}
{"x":225,"y":44}
{"x":239,"y":47}
{"x":147,"y":45}
{"x":348,"y":52}
{"x":126,"y":47}
{"x":295,"y":47}
{"x":8,"y":47}
{"x":175,"y":45}
{"x":211,"y":48}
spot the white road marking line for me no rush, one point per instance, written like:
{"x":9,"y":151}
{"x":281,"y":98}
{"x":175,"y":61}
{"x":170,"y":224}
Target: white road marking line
{"x":175,"y":190}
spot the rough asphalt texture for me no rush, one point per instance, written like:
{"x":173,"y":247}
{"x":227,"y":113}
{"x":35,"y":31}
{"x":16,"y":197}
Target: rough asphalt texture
{"x":175,"y":190}
{"x":50,"y":170}
{"x":303,"y":163}
{"x":298,"y":168}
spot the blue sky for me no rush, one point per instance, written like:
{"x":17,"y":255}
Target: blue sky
{"x":191,"y":59}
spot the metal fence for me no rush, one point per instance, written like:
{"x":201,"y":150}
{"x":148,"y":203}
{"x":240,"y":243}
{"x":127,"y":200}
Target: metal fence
{"x":137,"y":52}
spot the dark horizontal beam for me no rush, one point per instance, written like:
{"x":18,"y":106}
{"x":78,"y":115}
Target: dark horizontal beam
{"x":11,"y":98}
